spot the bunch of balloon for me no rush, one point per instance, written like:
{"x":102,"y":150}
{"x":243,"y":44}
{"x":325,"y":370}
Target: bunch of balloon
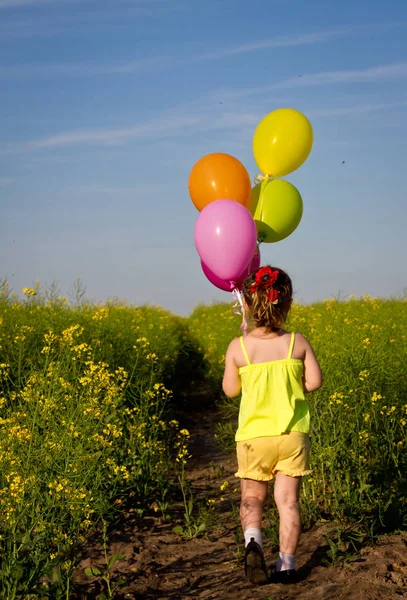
{"x":282,"y":142}
{"x":225,"y":232}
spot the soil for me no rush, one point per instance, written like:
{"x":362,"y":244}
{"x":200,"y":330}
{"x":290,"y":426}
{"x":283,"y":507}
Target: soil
{"x":160,"y":564}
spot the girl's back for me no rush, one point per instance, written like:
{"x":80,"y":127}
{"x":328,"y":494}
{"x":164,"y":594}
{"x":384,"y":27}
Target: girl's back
{"x":263,"y":347}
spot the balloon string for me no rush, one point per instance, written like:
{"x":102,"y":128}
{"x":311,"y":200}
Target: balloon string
{"x":249,"y":267}
{"x":239,"y":309}
{"x":261,"y":198}
{"x":256,"y":253}
{"x":263,"y":180}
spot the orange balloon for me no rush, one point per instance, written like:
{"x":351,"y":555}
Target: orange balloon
{"x":219,"y":176}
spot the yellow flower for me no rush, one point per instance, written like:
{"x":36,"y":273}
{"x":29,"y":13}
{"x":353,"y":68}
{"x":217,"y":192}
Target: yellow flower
{"x":29,"y":292}
{"x":224,"y":485}
{"x":72,"y":332}
{"x":50,"y":337}
{"x":184,"y":432}
{"x":100,"y":315}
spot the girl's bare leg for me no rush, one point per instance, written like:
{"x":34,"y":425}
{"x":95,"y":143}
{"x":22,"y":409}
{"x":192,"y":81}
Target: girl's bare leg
{"x":251,"y":514}
{"x":254,"y":494}
{"x":286,"y":495}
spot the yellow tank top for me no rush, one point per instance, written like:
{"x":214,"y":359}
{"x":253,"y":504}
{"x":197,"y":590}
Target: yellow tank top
{"x":273,"y":400}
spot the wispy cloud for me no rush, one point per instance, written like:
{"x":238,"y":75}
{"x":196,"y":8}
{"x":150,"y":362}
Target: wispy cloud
{"x":16,"y":3}
{"x":71,"y":22}
{"x":397,"y":71}
{"x":354,"y":110}
{"x":316,"y":37}
{"x":372,"y":74}
{"x":88,"y":16}
{"x":26,"y":3}
{"x":161,"y":127}
{"x":178,"y":123}
{"x":119,"y":190}
{"x":80,"y":69}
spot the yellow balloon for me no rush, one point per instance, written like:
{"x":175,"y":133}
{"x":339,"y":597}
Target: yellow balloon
{"x":276,"y":207}
{"x":282,"y":142}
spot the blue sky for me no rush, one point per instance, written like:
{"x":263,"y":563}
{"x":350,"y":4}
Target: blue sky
{"x":105,"y":106}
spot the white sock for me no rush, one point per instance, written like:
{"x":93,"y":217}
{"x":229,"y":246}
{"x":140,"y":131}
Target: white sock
{"x":250,"y":533}
{"x":285,"y":562}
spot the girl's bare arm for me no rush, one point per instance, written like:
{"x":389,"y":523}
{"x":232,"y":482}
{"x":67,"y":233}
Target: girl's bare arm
{"x":231,"y":383}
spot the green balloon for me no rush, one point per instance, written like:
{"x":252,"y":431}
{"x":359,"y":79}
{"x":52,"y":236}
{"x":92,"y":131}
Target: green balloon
{"x":276,"y":207}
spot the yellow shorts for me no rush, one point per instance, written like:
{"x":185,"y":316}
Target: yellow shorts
{"x":261,"y":457}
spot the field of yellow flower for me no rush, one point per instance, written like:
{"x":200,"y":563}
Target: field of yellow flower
{"x":85,"y":424}
{"x":87,"y":397}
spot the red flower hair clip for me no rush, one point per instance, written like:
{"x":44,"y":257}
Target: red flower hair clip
{"x":266,"y":277}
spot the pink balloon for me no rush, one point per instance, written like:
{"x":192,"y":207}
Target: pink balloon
{"x":225,"y":238}
{"x":228,"y":286}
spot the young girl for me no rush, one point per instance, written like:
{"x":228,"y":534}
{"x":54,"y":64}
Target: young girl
{"x":274,"y":369}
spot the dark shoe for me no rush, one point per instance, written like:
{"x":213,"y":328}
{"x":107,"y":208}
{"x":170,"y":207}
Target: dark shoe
{"x":254,"y":564}
{"x":285,"y":577}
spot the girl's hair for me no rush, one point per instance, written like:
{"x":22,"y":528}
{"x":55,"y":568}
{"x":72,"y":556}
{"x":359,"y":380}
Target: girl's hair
{"x":262,"y":311}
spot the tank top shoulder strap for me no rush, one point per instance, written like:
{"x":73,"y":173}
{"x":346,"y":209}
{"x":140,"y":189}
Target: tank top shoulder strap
{"x":290,"y":350}
{"x":244,"y":350}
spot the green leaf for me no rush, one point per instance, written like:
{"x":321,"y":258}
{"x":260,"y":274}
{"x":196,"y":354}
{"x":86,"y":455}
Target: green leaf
{"x":102,"y":597}
{"x":190,"y":506}
{"x":178,"y":529}
{"x":92,"y":571}
{"x":56,"y":575}
{"x":26,"y":538}
{"x":17,"y":572}
{"x":115,"y":558}
{"x":201,"y":528}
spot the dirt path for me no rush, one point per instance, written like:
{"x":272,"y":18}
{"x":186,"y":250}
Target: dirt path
{"x":161,"y":565}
